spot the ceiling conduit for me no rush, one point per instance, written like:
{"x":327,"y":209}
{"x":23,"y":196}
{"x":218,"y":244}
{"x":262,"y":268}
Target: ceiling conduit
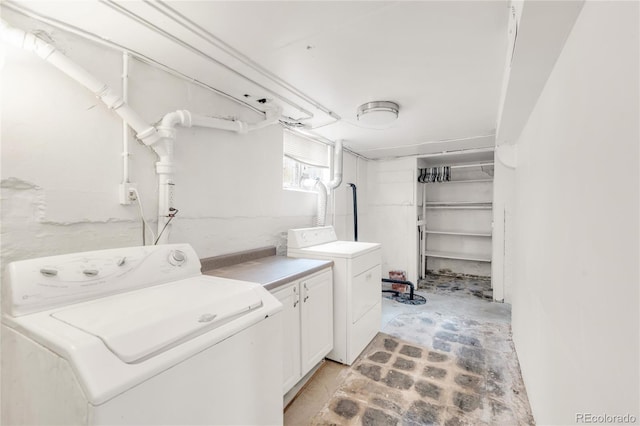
{"x":160,"y":138}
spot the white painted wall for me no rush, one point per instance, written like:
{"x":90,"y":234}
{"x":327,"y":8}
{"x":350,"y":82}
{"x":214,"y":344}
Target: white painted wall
{"x":61,"y":162}
{"x":575,"y":294}
{"x":392,"y":214}
{"x":503,"y":247}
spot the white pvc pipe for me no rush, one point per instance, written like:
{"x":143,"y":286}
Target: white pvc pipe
{"x":337,"y":166}
{"x":185,"y":118}
{"x":164,"y":149}
{"x":272,"y":115}
{"x":125,"y":126}
{"x":218,"y":123}
{"x":321,"y":212}
{"x":160,"y":139}
{"x":145,"y":132}
{"x":165,"y":198}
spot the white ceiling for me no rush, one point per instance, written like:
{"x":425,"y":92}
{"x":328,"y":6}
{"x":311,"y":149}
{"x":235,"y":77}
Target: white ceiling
{"x":442,"y":62}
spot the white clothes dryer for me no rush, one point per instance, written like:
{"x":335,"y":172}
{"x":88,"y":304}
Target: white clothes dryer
{"x":357,"y":286}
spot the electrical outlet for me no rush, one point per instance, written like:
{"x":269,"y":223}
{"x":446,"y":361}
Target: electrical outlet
{"x":132,"y":193}
{"x":127,"y":193}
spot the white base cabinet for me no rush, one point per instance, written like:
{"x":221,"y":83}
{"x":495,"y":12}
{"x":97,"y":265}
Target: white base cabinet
{"x":307,"y":324}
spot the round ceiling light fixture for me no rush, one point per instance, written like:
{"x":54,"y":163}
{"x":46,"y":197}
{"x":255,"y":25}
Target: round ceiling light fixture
{"x":378,"y":113}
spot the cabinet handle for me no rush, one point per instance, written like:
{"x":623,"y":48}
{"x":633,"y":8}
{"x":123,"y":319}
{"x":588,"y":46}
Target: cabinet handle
{"x":306,"y":292}
{"x":296,"y":299}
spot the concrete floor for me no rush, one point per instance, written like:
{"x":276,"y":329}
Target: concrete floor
{"x":462,"y":370}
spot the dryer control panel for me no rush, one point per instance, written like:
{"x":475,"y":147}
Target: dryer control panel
{"x":44,"y":283}
{"x":307,"y":237}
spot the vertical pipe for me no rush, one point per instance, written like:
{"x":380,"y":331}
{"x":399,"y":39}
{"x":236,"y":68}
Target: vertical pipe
{"x":354,"y":189}
{"x":321,"y":216}
{"x":164,"y":169}
{"x":125,"y":125}
{"x":337,"y":165}
{"x":423,"y":242}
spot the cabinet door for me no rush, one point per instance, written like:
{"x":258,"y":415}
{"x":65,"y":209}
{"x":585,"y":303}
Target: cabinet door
{"x":290,"y":299}
{"x":317,"y":318}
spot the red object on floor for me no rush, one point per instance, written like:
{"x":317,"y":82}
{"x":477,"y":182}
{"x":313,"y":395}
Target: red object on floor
{"x":401,"y":276}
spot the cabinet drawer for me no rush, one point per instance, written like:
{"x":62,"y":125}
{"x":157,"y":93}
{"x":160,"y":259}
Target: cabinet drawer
{"x":367,"y":291}
{"x":365,"y":262}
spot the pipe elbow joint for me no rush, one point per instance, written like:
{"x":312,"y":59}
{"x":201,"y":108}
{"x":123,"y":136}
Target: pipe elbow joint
{"x":180,"y":117}
{"x":336,"y":181}
{"x":185,"y":118}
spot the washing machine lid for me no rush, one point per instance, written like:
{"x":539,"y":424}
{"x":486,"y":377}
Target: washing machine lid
{"x":344,"y":249}
{"x":140,"y":324}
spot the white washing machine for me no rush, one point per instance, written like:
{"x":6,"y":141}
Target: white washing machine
{"x":137,"y":336}
{"x":356,"y":286}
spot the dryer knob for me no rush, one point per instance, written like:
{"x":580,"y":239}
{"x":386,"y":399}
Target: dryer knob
{"x":177,"y":258}
{"x":91,"y":272}
{"x":49,"y":272}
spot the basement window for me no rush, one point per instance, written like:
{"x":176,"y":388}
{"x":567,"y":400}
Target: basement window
{"x":303,"y":159}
